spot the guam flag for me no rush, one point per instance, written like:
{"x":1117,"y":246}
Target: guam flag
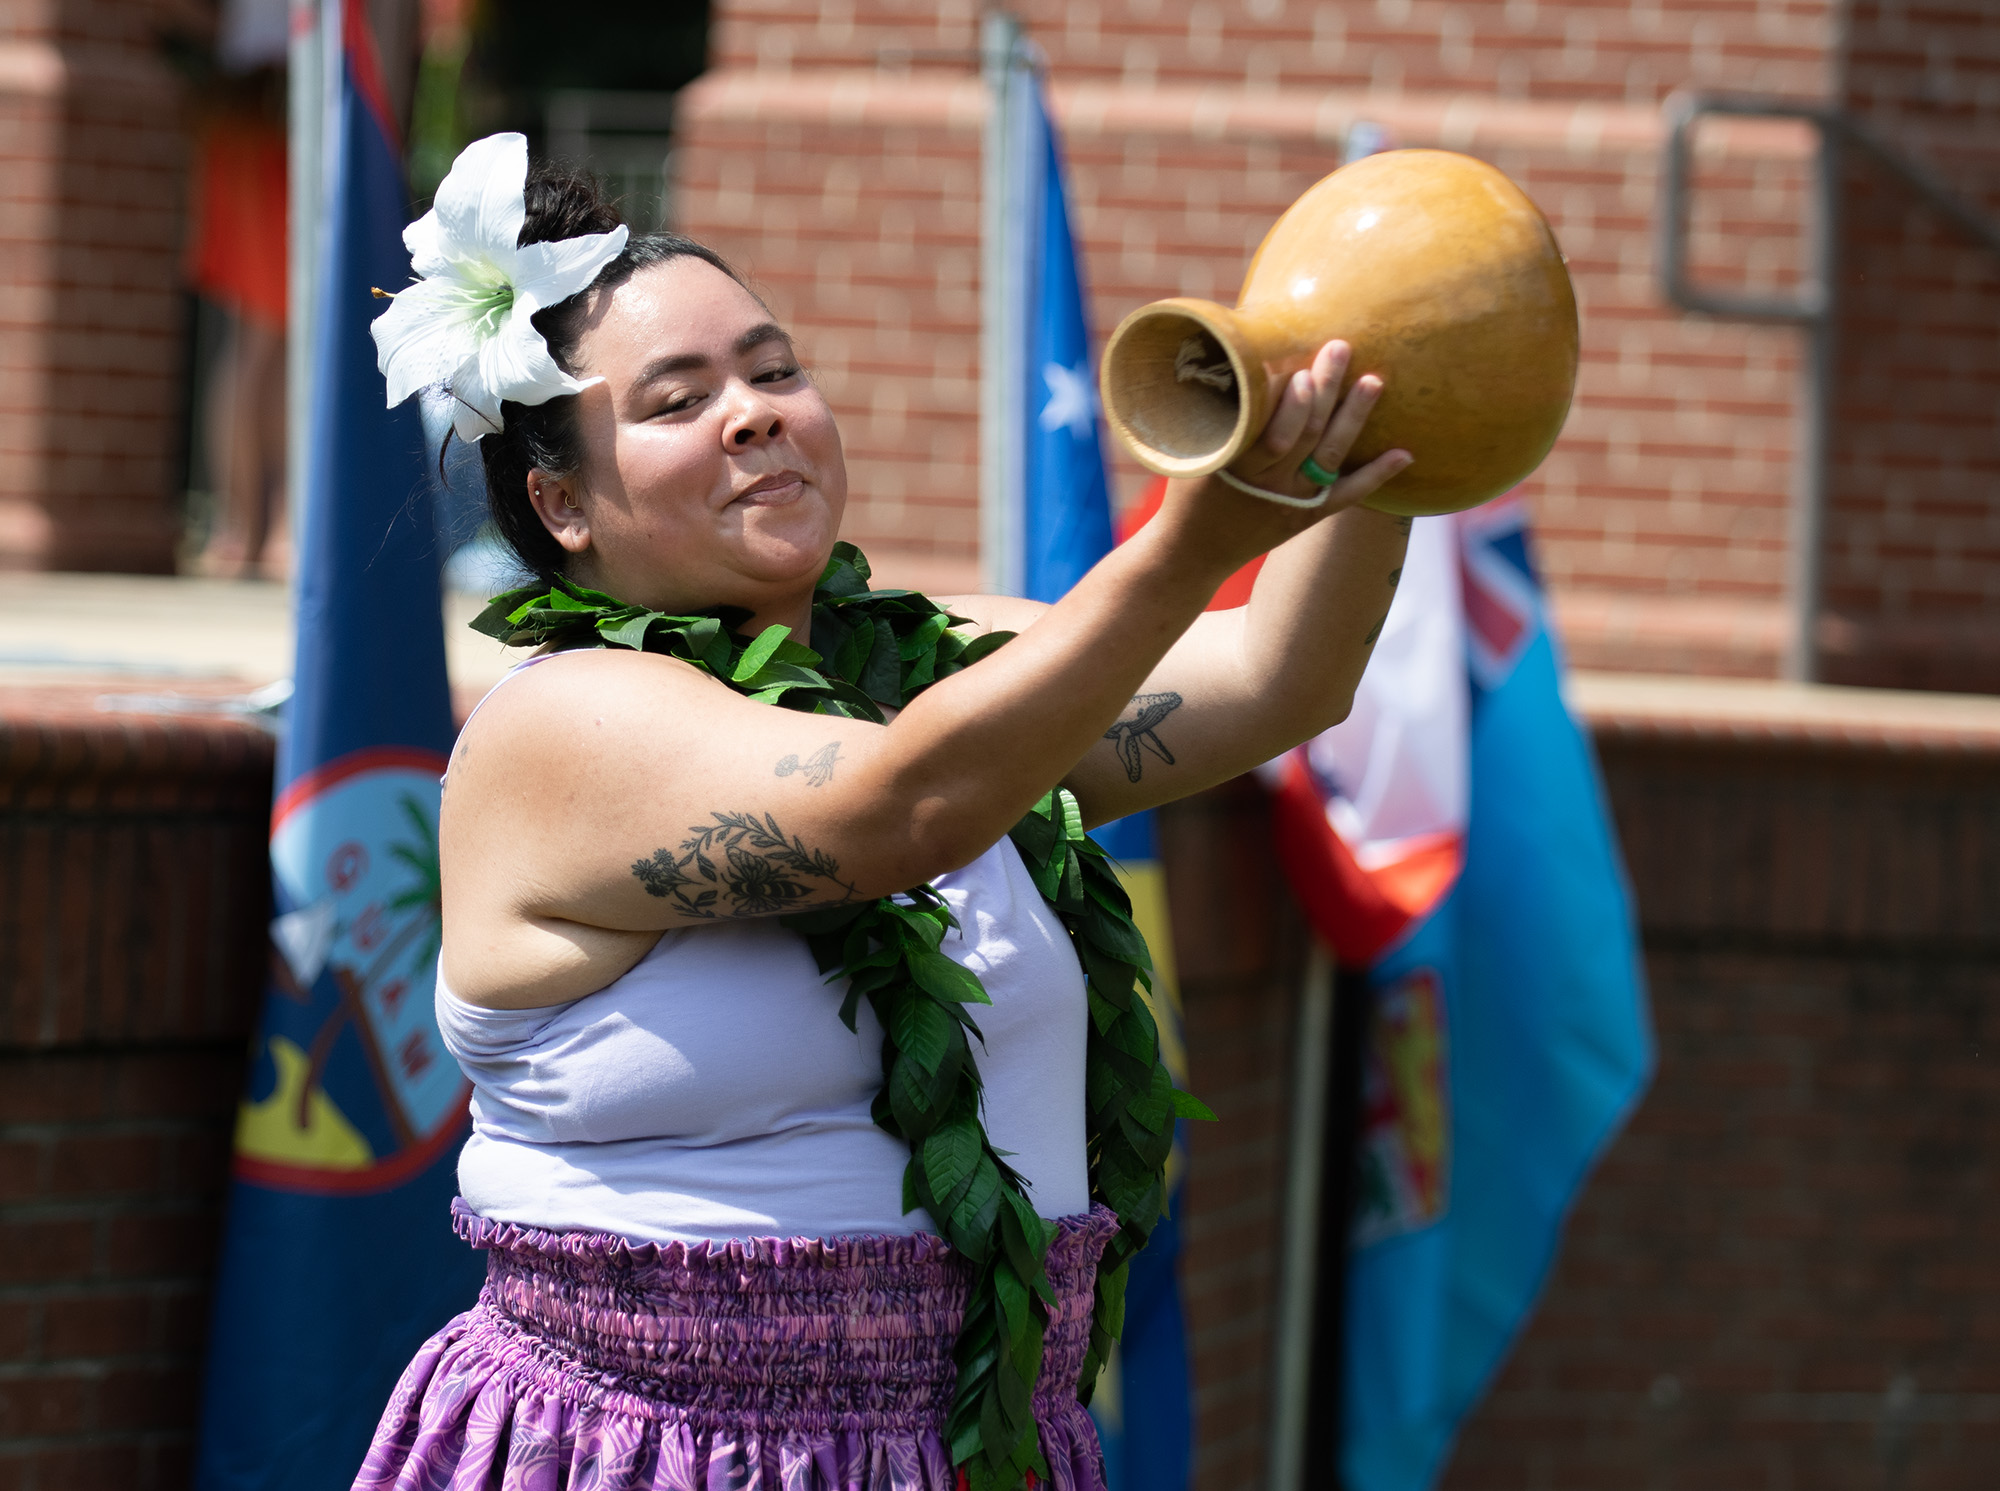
{"x":1062,"y":526}
{"x":338,"y":1257}
{"x":1450,"y":840}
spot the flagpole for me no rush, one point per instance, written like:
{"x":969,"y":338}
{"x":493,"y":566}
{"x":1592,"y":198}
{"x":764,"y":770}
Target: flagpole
{"x":305,"y":162}
{"x":1002,"y":60}
{"x":1297,"y":1307}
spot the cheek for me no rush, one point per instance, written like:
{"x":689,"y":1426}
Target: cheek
{"x":665,"y":466}
{"x":815,"y":433}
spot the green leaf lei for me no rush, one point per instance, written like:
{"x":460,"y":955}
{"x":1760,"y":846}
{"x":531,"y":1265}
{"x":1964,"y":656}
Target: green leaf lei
{"x":875,"y":648}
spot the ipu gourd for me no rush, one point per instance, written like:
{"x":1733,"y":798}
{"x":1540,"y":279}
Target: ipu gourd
{"x":1445,"y":279}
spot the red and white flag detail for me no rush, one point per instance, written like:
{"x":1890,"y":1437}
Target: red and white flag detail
{"x":1370,"y":816}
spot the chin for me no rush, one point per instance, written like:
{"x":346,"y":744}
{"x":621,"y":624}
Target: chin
{"x":784,"y":546}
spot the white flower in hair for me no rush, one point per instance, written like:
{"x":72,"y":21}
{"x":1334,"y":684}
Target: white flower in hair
{"x":465,"y":322}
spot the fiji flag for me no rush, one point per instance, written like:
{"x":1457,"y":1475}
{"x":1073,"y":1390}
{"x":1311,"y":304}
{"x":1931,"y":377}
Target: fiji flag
{"x":1450,"y":838}
{"x":1062,"y":523}
{"x":338,"y":1258}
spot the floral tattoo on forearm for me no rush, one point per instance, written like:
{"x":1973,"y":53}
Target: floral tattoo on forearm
{"x":742,"y":865}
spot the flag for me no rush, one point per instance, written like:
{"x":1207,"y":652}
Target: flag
{"x":1451,"y":839}
{"x":1143,"y":1404}
{"x":338,"y":1257}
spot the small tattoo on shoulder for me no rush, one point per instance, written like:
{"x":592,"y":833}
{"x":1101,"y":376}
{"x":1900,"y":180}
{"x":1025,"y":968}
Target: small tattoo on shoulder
{"x":1142,"y":730}
{"x":1373,"y":632}
{"x":1403,"y":524}
{"x":818,"y":767}
{"x":1395,"y":577}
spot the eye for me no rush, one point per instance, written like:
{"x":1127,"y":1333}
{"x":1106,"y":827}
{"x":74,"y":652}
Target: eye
{"x":680,"y":402}
{"x":778,"y":374}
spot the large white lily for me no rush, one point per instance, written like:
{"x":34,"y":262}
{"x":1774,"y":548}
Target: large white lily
{"x":466,"y":322}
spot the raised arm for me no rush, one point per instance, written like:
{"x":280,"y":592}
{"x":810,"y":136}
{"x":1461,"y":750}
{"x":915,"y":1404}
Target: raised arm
{"x":602,"y":797}
{"x":1245,"y":685}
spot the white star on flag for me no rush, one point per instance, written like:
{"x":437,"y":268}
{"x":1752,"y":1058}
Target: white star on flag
{"x":1072,"y":399}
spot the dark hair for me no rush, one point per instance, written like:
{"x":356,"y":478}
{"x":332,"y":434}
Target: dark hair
{"x":562,"y":203}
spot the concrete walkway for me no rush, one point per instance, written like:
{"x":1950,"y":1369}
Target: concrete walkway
{"x":144,"y":635}
{"x":157,"y":631}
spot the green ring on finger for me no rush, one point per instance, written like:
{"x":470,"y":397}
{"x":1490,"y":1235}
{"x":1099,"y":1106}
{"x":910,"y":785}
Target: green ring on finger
{"x":1317,"y":474}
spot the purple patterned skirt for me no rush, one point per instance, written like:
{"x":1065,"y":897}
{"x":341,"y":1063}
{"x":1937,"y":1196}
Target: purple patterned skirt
{"x":591,"y":1361}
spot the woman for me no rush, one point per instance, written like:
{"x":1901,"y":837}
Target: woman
{"x":707,"y":1263}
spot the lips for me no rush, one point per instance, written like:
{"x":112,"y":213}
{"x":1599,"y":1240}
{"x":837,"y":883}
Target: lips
{"x":779,"y":486}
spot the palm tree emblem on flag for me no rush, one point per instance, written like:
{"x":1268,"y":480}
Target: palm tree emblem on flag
{"x":354,"y":852}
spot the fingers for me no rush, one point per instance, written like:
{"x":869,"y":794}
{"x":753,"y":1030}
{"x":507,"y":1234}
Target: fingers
{"x":1289,"y":417}
{"x":1358,"y":486}
{"x":1329,"y":371}
{"x":1302,"y":409}
{"x":1344,"y":428}
{"x":1309,"y":418}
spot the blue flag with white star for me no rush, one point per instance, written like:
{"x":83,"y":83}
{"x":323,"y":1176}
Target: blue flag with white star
{"x":1144,"y":1401}
{"x":1066,"y":524}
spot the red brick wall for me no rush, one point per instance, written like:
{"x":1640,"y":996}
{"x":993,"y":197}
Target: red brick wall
{"x":1800,"y":1216}
{"x":1913,"y":552}
{"x":91,"y":164}
{"x":1782,"y":1274}
{"x":852,"y":198}
{"x":1239,"y":945}
{"x":133,"y":892}
{"x":1548,"y":49}
{"x":834,"y":150}
{"x":1787,"y":1271}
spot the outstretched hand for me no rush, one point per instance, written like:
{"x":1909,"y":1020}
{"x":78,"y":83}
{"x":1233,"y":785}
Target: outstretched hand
{"x":1311,"y":421}
{"x":1309,"y":418}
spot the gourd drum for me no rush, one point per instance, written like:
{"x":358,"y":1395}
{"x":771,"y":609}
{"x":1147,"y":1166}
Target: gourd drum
{"x":1447,"y":282}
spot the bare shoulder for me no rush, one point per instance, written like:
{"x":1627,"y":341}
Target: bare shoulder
{"x":572,"y":694}
{"x":993,"y":613}
{"x":585,"y":722}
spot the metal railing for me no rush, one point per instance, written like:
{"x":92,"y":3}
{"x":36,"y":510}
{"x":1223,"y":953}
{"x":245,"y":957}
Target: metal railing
{"x":1813,"y":307}
{"x":627,"y":139}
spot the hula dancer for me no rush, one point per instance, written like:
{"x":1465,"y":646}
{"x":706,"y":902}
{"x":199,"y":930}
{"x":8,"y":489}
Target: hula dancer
{"x":817,"y":1107}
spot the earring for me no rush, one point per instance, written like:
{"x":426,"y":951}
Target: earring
{"x":570,"y":502}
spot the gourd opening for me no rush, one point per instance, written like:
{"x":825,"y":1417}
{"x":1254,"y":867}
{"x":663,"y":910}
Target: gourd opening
{"x":1173,"y":389}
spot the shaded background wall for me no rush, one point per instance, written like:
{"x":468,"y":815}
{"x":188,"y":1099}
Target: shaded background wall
{"x":1913,"y":536}
{"x":1786,"y":1273}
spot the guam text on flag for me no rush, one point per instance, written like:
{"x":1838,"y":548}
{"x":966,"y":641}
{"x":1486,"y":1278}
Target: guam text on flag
{"x":1142,"y":1405}
{"x":338,"y":1258}
{"x":1451,"y":838}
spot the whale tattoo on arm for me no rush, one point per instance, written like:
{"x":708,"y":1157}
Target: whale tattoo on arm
{"x":1140,"y":732}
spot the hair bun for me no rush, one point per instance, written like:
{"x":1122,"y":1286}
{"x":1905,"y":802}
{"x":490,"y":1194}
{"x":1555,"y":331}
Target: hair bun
{"x":564,"y":202}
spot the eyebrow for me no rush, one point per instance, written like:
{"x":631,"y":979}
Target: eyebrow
{"x":684,"y":362}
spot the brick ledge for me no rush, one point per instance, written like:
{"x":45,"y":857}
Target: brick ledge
{"x":44,"y":69}
{"x":884,"y":98}
{"x":1748,"y":711}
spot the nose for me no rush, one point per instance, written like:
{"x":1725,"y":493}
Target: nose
{"x":751,"y":421}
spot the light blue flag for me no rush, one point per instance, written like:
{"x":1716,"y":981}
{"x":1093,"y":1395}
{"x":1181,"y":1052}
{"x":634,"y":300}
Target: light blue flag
{"x":1508,"y":1040}
{"x":1143,"y":1405}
